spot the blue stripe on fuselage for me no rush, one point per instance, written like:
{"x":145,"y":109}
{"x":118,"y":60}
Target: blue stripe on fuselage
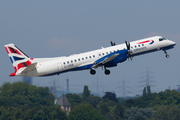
{"x":90,"y":65}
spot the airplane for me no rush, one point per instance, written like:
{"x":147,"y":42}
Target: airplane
{"x":104,"y":57}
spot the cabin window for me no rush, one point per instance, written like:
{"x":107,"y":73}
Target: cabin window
{"x":64,"y":63}
{"x":99,"y":54}
{"x":71,"y":61}
{"x":131,"y":47}
{"x":75,"y":60}
{"x":110,"y":51}
{"x":93,"y":55}
{"x":138,"y":45}
{"x":142,"y":44}
{"x":102,"y":53}
{"x":106,"y":52}
{"x":86,"y":57}
{"x":68,"y":62}
{"x":89,"y":56}
{"x":114,"y":51}
{"x":79,"y":59}
{"x":82,"y":58}
{"x":135,"y":46}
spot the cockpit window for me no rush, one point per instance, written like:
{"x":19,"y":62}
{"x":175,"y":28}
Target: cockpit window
{"x":161,"y":39}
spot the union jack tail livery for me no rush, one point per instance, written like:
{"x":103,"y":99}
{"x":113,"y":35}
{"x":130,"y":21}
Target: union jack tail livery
{"x":19,"y":59}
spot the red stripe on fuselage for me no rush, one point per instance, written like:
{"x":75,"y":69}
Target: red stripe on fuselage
{"x":144,"y":42}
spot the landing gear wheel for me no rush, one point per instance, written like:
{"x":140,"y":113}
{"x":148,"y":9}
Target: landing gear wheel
{"x":167,"y":56}
{"x":107,"y":72}
{"x":93,"y":72}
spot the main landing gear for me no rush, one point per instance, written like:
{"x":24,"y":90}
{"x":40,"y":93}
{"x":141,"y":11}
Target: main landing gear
{"x":107,"y":72}
{"x":167,"y":56}
{"x":93,"y":72}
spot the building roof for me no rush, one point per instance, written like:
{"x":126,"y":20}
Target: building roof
{"x":63,"y":101}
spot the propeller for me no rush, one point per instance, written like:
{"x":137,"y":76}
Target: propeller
{"x":129,"y":52}
{"x":127,"y":45}
{"x":112,"y":43}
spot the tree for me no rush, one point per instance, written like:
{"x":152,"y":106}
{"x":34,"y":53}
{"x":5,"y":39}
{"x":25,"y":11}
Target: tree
{"x":110,"y":116}
{"x":56,"y":113}
{"x":86,"y":92}
{"x":74,"y":99}
{"x":40,"y":115}
{"x":23,"y":102}
{"x":84,"y":112}
{"x":94,"y":100}
{"x":144,"y":91}
{"x":148,"y":90}
{"x":139,"y":118}
{"x":167,"y":97}
{"x":133,"y":112}
{"x":120,"y":110}
{"x":110,"y":96}
{"x":142,"y":101}
{"x":2,"y":114}
{"x":169,"y":112}
{"x":103,"y":108}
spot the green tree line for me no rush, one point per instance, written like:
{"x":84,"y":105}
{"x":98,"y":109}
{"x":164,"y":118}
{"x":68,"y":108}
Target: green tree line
{"x":21,"y":101}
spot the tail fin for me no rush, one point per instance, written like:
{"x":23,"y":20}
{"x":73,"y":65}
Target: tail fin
{"x":18,"y":58}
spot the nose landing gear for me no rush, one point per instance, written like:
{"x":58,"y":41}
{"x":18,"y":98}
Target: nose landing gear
{"x":167,"y":56}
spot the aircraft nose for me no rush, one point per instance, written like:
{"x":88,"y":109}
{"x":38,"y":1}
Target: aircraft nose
{"x":172,"y":43}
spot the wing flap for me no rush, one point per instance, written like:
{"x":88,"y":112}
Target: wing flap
{"x":104,"y":60}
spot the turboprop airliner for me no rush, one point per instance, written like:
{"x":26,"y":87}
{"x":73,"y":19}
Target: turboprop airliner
{"x":104,"y":57}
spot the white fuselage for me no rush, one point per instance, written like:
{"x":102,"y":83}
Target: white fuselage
{"x":82,"y":61}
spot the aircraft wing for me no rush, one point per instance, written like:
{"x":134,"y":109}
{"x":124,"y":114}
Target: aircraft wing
{"x":30,"y":67}
{"x":104,"y":60}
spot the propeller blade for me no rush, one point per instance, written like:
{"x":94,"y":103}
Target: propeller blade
{"x":129,"y":52}
{"x":114,"y":44}
{"x":126,"y":44}
{"x":129,"y":45}
{"x":111,"y":43}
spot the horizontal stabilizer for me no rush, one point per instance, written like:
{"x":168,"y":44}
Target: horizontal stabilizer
{"x":30,"y":68}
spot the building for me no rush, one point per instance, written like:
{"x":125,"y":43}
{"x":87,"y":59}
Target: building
{"x":65,"y":105}
{"x":27,"y":79}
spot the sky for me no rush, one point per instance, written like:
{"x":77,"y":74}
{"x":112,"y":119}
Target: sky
{"x":44,"y":29}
